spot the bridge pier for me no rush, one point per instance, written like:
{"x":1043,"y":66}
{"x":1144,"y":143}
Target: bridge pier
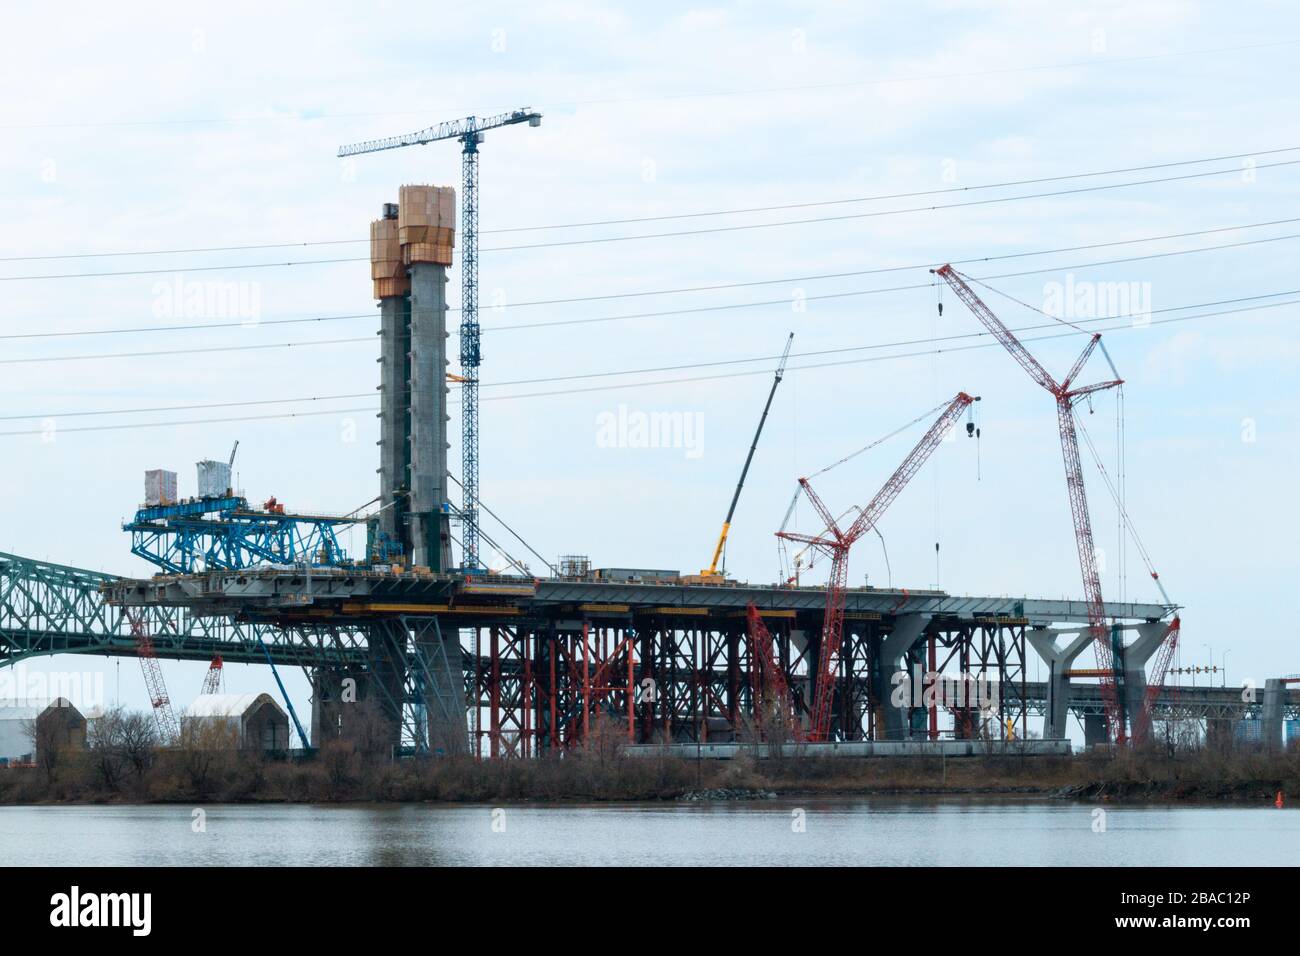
{"x":1271,"y":716}
{"x":892,"y":722}
{"x":1058,"y":660}
{"x":1151,"y":635}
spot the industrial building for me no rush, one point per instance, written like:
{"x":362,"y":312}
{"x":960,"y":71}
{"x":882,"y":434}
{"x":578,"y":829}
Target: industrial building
{"x":254,"y":722}
{"x":25,"y":727}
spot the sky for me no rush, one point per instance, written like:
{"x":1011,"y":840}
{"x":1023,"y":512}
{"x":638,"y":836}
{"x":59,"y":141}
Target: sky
{"x":209,"y":126}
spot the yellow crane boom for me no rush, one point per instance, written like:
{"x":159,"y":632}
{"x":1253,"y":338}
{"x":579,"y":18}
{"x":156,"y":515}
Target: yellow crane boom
{"x":712,"y":570}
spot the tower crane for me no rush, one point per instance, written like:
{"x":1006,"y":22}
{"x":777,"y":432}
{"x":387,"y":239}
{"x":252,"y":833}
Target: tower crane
{"x":710,"y":574}
{"x":836,"y":544}
{"x":469,"y":132}
{"x":1066,"y":395}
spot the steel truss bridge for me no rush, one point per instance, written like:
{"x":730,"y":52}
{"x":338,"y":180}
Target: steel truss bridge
{"x":545,"y":662}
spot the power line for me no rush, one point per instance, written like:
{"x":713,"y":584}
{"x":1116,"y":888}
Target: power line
{"x":884,"y":212}
{"x":655,"y":292}
{"x":675,"y":216}
{"x":240,"y":323}
{"x":674,"y":381}
{"x":884,"y":358}
{"x":642,"y":315}
{"x":861,"y":292}
{"x":908,"y":195}
{"x":195,"y":351}
{"x":720,"y":363}
{"x":667,"y":235}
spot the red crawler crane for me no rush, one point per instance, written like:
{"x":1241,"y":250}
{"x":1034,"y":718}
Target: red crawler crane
{"x":212,"y":679}
{"x":836,"y":544}
{"x":169,"y":728}
{"x":1066,"y":398}
{"x":768,"y":687}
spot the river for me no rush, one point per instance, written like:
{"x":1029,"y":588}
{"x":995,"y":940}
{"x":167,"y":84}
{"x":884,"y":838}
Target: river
{"x":913,"y":831}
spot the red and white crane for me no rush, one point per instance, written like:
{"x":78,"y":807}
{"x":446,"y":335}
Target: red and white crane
{"x":1067,"y":395}
{"x":169,"y":728}
{"x":769,"y":690}
{"x":836,"y":544}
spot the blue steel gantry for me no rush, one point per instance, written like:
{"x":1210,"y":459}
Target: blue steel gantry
{"x":226,"y":533}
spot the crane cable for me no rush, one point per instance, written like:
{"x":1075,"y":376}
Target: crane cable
{"x":794,"y":500}
{"x":1119,"y":503}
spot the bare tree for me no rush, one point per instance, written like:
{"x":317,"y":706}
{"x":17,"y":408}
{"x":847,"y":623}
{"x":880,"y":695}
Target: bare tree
{"x":104,"y":741}
{"x":48,"y":743}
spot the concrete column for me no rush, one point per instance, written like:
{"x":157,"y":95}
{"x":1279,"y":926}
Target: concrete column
{"x":427,"y":384}
{"x":1150,"y":636}
{"x":908,"y":630}
{"x":394,"y":431}
{"x":347,"y":704}
{"x":1058,"y":660}
{"x":1271,"y":722}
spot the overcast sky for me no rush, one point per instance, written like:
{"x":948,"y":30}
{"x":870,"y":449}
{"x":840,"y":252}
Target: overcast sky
{"x":188,"y":127}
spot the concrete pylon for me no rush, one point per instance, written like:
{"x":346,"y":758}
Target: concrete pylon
{"x":430,"y":535}
{"x":1058,"y":660}
{"x":892,"y":720}
{"x":394,"y":419}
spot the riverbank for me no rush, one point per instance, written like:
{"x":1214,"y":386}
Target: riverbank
{"x":341,"y":775}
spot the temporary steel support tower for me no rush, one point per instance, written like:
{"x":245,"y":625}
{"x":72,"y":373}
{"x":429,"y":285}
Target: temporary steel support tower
{"x":836,"y":545}
{"x":469,"y":131}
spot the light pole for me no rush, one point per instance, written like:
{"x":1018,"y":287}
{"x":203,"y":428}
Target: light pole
{"x":1225,"y":666}
{"x":1210,"y":682}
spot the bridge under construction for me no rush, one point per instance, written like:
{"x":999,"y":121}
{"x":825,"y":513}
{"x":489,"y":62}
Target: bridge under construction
{"x":455,"y":658}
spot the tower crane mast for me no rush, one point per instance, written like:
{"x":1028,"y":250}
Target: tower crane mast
{"x":469,"y":131}
{"x":836,"y":544}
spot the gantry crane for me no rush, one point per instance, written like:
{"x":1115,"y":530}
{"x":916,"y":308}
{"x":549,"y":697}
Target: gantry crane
{"x":1066,"y":397}
{"x":836,"y":545}
{"x":469,"y":131}
{"x":710,"y":574}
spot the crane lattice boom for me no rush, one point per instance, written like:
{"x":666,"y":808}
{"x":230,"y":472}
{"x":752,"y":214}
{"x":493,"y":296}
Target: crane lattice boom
{"x":453,"y":129}
{"x":1066,"y":398}
{"x":836,"y":544}
{"x":769,"y":690}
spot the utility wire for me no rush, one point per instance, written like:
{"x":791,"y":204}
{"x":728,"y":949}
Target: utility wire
{"x":655,"y":292}
{"x":692,"y":379}
{"x":663,"y":368}
{"x":675,"y":216}
{"x":668,"y":235}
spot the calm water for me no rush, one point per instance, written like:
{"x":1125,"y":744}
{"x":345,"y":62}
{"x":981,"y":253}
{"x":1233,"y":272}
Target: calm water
{"x":920,"y":831}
